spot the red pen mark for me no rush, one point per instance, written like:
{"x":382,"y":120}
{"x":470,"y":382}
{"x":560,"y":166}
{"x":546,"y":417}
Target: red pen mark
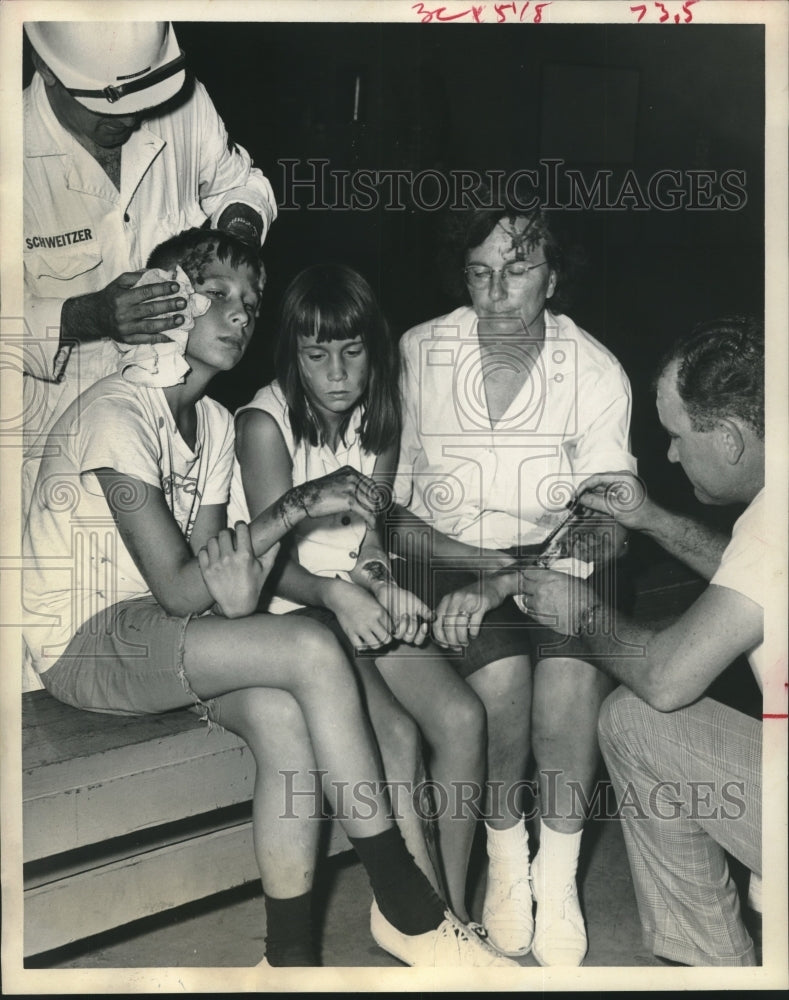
{"x":686,"y":10}
{"x":504,"y":11}
{"x":665,"y":14}
{"x":440,"y":13}
{"x":501,"y":17}
{"x":539,"y":9}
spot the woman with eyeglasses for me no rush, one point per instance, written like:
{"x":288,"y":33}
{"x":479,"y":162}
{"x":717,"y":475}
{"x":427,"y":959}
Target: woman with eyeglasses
{"x":508,"y":405}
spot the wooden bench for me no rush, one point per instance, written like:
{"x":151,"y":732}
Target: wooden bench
{"x":125,"y":817}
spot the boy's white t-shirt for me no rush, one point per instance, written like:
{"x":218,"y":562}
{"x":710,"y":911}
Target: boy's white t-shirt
{"x":76,"y":563}
{"x":325,"y":546}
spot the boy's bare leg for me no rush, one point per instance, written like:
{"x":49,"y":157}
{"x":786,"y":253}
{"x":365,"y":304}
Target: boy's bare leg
{"x":285,"y":827}
{"x":286,"y":830}
{"x":303,"y":658}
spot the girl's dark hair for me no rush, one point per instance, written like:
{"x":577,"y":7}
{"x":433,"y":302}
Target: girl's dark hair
{"x":469,"y":227}
{"x":334,"y":302}
{"x":194,"y":248}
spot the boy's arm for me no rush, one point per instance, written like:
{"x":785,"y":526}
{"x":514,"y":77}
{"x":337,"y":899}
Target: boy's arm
{"x":210,"y":520}
{"x":161,"y":553}
{"x":231,"y":572}
{"x":155,"y":542}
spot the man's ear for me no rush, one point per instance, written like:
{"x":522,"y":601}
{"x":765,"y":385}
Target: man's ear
{"x":49,"y":77}
{"x":732,"y":440}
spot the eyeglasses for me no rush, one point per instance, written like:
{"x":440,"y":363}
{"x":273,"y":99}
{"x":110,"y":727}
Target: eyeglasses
{"x":515,"y":273}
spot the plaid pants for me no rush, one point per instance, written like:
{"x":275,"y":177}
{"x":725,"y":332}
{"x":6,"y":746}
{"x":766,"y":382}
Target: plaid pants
{"x":689,"y":788}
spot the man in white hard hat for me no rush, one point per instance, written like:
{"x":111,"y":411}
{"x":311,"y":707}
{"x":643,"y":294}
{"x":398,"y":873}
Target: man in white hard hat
{"x":118,"y":156}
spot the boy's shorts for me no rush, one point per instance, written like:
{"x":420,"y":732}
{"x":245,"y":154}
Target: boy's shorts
{"x":506,"y":631}
{"x":126,"y":660}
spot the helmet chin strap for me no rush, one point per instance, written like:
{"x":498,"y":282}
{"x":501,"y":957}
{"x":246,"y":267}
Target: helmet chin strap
{"x":113,"y":93}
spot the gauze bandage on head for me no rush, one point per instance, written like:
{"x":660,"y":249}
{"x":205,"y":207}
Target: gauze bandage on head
{"x":164,"y":364}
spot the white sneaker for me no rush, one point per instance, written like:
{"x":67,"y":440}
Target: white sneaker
{"x":450,"y":944}
{"x":560,"y":933}
{"x":507,"y":912}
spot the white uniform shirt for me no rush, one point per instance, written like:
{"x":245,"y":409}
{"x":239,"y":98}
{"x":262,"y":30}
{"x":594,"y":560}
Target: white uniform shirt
{"x":326,"y":546}
{"x":76,"y":562}
{"x":177,"y":170}
{"x":750,"y":566}
{"x":506,"y":484}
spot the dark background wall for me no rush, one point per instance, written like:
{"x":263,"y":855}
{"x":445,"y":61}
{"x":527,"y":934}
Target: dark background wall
{"x":501,"y":97}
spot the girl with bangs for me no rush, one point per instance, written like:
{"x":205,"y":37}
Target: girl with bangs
{"x":336,"y":403}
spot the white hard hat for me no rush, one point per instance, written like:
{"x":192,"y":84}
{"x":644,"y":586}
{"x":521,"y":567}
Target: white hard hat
{"x":112,"y":67}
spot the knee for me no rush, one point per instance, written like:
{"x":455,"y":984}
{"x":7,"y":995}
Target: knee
{"x":568,"y":694}
{"x":400,"y":734}
{"x":269,"y":715}
{"x":460,"y":723}
{"x":624,"y":722}
{"x":504,"y":688}
{"x":323,"y":665}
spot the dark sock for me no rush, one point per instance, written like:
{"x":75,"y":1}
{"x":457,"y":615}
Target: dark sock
{"x":289,"y":931}
{"x":403,"y":893}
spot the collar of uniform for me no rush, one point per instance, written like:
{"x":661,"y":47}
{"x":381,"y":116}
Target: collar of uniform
{"x":43,"y":132}
{"x":45,"y":136}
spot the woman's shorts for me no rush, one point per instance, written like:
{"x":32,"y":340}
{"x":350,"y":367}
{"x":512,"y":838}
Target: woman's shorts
{"x":506,"y":631}
{"x":126,"y":660}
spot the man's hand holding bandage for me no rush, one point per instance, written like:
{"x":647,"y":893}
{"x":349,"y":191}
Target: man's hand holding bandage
{"x":565,"y":603}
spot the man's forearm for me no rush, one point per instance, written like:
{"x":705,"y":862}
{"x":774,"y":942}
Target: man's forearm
{"x":620,"y":647}
{"x":613,"y":643}
{"x":79,"y":320}
{"x":695,"y":544}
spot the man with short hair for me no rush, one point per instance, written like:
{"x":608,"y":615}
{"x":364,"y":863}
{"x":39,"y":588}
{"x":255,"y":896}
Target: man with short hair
{"x":687,"y":770}
{"x":117,"y":158}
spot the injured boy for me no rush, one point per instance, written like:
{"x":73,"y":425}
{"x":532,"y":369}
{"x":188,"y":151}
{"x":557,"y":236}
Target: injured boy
{"x":139,"y":599}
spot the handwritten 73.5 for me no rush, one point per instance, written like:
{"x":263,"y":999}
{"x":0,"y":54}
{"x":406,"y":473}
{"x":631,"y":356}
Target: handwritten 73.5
{"x":661,"y":12}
